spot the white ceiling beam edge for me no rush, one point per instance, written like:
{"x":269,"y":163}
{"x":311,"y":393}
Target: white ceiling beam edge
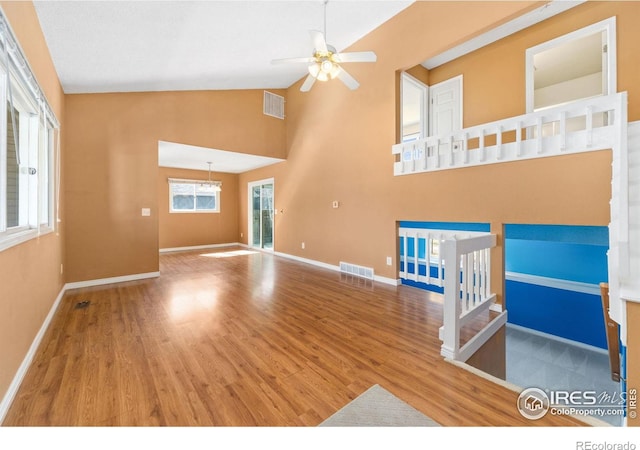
{"x":183,"y":156}
{"x":520,"y":23}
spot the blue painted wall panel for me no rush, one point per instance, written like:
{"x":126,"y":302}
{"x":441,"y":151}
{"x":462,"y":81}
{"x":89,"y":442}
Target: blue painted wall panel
{"x":422,"y":245}
{"x":561,"y":260}
{"x":577,"y":234}
{"x":568,"y":314}
{"x":425,"y":286}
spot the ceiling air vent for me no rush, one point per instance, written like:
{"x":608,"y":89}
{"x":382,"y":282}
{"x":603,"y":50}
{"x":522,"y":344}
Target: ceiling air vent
{"x":273,"y":105}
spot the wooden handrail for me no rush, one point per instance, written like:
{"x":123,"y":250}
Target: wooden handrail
{"x":612,"y":329}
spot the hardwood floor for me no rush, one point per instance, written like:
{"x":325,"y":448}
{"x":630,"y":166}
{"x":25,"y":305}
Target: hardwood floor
{"x":243,"y":339}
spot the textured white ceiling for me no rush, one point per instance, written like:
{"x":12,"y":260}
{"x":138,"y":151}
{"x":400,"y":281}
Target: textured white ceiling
{"x":124,"y":46}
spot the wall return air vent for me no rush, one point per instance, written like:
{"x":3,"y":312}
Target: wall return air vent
{"x":273,"y":105}
{"x":355,"y":270}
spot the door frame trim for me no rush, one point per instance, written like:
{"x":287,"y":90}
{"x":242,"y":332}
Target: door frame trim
{"x":250,"y":186}
{"x":424,"y":105}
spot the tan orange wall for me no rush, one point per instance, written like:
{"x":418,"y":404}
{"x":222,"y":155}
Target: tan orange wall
{"x":112,"y":166}
{"x":633,"y":359}
{"x":420,"y":73}
{"x":191,"y":229}
{"x":30,"y":278}
{"x":339,"y":148}
{"x":497,"y":69}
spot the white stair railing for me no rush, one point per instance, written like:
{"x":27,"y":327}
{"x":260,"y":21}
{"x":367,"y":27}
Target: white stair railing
{"x":467,"y":293}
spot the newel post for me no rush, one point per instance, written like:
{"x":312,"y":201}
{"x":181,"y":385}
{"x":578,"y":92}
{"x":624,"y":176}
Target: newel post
{"x":451,"y":311}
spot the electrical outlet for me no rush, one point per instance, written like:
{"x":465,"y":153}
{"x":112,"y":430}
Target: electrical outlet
{"x":61,"y":268}
{"x":303,"y":245}
{"x":146,"y":212}
{"x":241,"y":235}
{"x":389,"y":260}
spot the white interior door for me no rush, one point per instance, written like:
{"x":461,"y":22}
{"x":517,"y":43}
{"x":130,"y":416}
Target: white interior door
{"x":445,"y":108}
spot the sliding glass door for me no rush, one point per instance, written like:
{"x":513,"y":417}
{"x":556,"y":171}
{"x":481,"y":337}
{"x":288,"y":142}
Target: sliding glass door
{"x":261,"y":211}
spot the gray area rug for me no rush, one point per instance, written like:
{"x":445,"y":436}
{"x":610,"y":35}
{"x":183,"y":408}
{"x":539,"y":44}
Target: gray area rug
{"x":377,"y":407}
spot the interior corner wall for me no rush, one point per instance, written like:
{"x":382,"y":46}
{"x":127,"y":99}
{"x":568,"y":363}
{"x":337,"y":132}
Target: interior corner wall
{"x":30,"y":273}
{"x":112,"y":166}
{"x":179,"y":230}
{"x":419,"y":73}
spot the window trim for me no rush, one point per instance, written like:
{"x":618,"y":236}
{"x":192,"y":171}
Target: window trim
{"x":28,"y":93}
{"x":606,"y":25}
{"x":218,"y":184}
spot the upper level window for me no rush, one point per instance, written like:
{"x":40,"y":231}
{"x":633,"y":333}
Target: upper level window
{"x":27,"y":144}
{"x":576,"y":66}
{"x":194,"y":196}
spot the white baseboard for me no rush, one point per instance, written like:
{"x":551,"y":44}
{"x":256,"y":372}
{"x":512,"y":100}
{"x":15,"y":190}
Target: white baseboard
{"x":558,"y":338}
{"x":575,"y":286}
{"x":313,"y":262}
{"x":102,"y":281}
{"x":385,"y":280}
{"x":200,"y":247}
{"x":26,"y":362}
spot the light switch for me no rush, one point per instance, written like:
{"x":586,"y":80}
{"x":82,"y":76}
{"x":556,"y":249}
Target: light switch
{"x":146,"y":212}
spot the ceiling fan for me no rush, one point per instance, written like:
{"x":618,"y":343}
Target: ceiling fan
{"x":325,"y":64}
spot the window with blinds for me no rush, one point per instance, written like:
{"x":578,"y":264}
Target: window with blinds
{"x":194,"y":196}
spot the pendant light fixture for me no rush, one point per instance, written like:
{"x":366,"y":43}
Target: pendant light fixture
{"x":214,"y":186}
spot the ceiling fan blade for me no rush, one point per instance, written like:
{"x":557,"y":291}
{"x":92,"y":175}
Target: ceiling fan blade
{"x":347,"y":79}
{"x":306,"y":86}
{"x":356,"y":57}
{"x":293,"y":60}
{"x":319,"y":44}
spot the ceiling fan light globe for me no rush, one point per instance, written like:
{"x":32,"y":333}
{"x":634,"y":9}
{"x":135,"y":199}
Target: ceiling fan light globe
{"x":326,"y":66}
{"x":322,"y":76}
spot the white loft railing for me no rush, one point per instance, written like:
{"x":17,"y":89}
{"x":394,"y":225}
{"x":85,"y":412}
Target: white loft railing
{"x":581,"y":126}
{"x":467,"y":294}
